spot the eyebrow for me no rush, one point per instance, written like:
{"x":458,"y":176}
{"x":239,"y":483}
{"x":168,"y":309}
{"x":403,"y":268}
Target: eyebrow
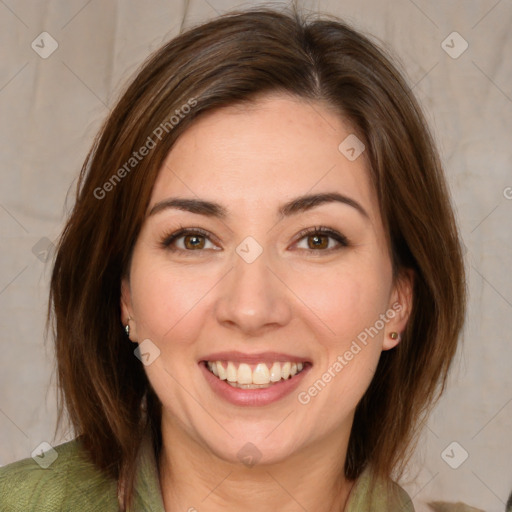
{"x":293,"y":207}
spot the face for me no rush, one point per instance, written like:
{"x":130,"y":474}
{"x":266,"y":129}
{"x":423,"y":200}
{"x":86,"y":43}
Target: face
{"x":237,"y":263}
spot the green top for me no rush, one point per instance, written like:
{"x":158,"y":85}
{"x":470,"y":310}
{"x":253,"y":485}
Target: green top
{"x":73,"y":483}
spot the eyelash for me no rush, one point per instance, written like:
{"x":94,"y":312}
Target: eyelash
{"x":168,"y":239}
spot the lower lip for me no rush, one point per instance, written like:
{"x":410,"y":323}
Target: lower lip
{"x":253,"y":397}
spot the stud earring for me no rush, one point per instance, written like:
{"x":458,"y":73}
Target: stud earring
{"x":394,"y":335}
{"x":127,"y":327}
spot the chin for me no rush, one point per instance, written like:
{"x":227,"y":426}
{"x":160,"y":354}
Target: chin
{"x":253,"y":449}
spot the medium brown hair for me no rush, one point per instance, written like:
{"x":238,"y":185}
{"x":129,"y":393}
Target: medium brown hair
{"x":234,"y":59}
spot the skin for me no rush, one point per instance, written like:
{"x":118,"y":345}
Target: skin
{"x":310,"y":302}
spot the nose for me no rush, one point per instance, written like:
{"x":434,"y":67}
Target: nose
{"x":252,"y":298}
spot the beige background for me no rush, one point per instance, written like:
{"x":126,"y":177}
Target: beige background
{"x":51,"y":109}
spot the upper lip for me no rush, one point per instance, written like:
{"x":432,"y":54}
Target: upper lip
{"x":259,"y":357}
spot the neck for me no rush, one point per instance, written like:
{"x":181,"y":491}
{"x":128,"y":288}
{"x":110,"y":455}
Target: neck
{"x":192,"y":478}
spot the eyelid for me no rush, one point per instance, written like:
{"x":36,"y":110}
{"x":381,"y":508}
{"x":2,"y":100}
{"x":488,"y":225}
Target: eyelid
{"x":168,"y":239}
{"x":182,"y":231}
{"x":324,"y":230}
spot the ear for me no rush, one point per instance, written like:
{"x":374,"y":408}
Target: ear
{"x":127,"y":317}
{"x":399,"y":308}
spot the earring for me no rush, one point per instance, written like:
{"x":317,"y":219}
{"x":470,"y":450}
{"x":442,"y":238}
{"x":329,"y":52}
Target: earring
{"x":393,"y":335}
{"x":127,"y":327}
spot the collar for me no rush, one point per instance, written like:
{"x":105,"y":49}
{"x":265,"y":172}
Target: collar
{"x":147,"y":495}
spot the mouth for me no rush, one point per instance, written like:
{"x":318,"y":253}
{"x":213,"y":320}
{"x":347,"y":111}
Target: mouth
{"x":257,"y":379}
{"x":259,"y":375}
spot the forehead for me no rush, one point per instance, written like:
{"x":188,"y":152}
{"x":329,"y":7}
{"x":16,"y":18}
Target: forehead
{"x":262,"y":153}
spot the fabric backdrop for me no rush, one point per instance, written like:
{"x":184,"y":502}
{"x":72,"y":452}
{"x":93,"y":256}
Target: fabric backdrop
{"x":52,"y":104}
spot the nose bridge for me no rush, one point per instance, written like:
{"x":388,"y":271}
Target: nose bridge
{"x":252,"y":297}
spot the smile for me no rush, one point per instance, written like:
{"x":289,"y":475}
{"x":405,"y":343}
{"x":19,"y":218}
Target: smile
{"x":254,"y":376}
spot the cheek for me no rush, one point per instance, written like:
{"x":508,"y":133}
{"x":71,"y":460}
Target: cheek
{"x":168,"y":302}
{"x":349,"y":303}
{"x":349,"y":307}
{"x":345,"y":301}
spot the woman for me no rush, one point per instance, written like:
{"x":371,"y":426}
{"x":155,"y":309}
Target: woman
{"x":264,"y":215}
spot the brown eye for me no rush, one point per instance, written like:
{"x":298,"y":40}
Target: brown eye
{"x":318,"y":241}
{"x":194,"y":242}
{"x":187,"y":240}
{"x":321,"y":239}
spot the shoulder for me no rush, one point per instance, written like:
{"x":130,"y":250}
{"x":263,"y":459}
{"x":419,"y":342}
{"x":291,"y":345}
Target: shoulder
{"x":70,"y":482}
{"x":368,"y":495}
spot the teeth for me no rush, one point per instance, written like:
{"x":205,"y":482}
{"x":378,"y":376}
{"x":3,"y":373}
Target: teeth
{"x":285,"y":370}
{"x":244,"y":375}
{"x":231,"y":372}
{"x":261,"y":376}
{"x":220,"y":370}
{"x":275,"y":372}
